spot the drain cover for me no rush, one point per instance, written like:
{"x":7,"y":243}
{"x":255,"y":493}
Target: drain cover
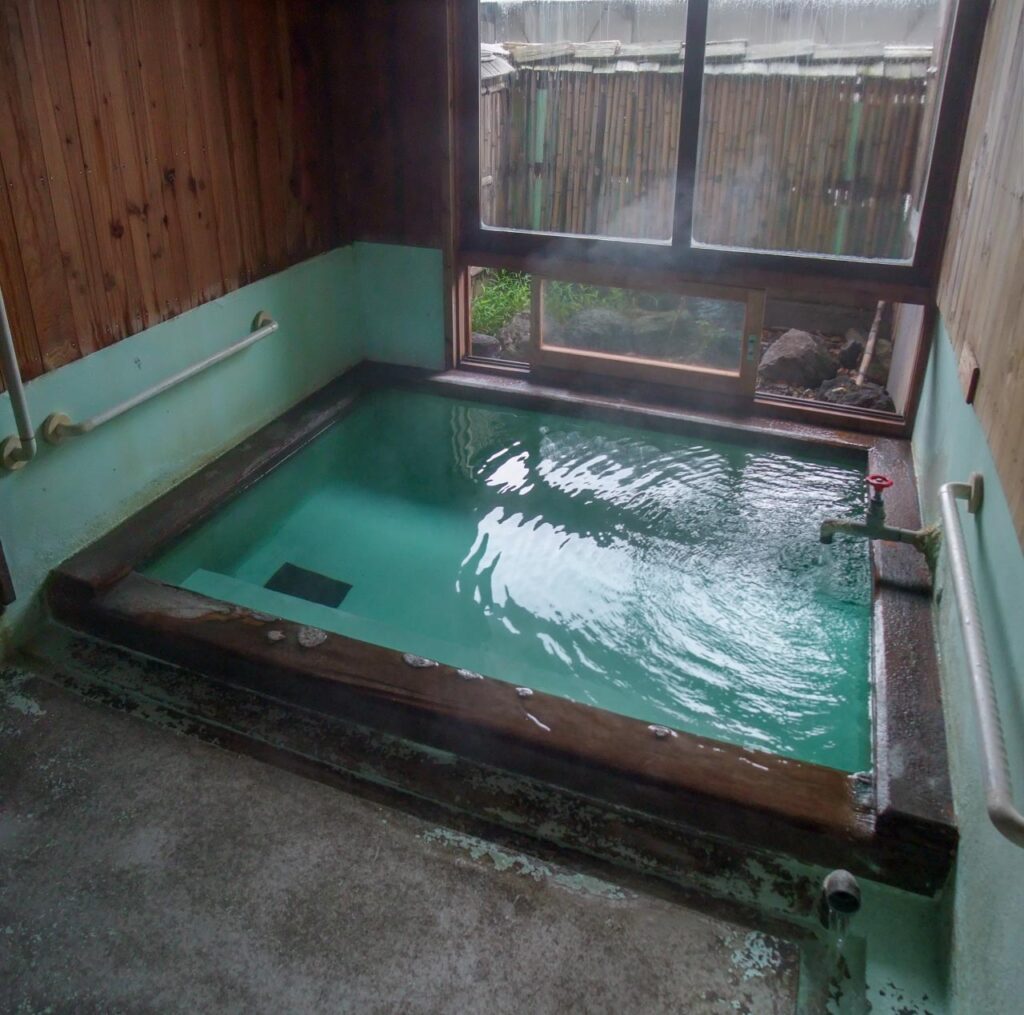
{"x":296,"y":581}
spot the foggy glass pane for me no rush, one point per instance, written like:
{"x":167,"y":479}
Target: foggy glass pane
{"x":817,"y":123}
{"x":653,"y":326}
{"x":580,"y":102}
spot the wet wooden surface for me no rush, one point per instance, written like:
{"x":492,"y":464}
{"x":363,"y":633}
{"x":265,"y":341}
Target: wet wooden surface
{"x":911,"y":763}
{"x":143,"y":534}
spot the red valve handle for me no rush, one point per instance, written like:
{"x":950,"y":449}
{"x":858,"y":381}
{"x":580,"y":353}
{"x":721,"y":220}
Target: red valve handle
{"x":878,"y":484}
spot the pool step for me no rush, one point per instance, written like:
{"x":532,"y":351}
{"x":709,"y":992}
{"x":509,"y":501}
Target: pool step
{"x":301,"y":583}
{"x":265,"y":600}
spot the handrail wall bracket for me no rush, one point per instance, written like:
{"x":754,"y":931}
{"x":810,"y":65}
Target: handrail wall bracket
{"x":13,"y":454}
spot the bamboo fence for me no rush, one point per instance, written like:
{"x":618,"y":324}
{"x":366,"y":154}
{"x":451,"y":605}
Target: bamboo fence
{"x":822,"y":163}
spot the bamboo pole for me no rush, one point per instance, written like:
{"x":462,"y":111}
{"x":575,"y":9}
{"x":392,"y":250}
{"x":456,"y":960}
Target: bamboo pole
{"x":714,"y":116}
{"x":614,"y":86}
{"x":562,"y":161}
{"x":882,"y":169}
{"x":801,"y":167}
{"x":769,"y":123}
{"x":621,"y":174}
{"x":674,"y":123}
{"x":673,"y":109}
{"x":577,"y":133}
{"x":869,"y":349}
{"x":590,"y":129}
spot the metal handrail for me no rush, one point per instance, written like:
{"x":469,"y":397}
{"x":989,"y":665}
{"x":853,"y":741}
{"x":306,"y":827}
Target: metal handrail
{"x":995,"y":764}
{"x":58,"y":426}
{"x":20,"y":448}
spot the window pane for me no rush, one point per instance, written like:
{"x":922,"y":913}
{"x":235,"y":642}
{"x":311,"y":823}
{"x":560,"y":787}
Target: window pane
{"x":665,"y":327}
{"x":580,"y":102}
{"x":500,"y":314}
{"x":817,"y":123}
{"x":848,"y":357}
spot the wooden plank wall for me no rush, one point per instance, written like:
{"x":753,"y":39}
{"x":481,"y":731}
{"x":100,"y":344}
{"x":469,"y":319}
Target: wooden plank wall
{"x":155,"y":154}
{"x":390,"y":117}
{"x":981,"y":293}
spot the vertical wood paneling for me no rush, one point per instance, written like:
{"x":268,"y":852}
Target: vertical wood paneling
{"x":390,"y":117}
{"x":118,"y":116}
{"x":201,"y":76}
{"x":162,"y":213}
{"x":318,"y":184}
{"x":981,"y":293}
{"x":94,"y":244}
{"x":69,"y":214}
{"x":31,"y":207}
{"x":16,"y":292}
{"x":155,"y":154}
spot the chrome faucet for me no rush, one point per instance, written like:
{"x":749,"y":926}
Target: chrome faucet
{"x":873,"y":525}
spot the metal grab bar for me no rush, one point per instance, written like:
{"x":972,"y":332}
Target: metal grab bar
{"x":19,"y":448}
{"x":58,"y":426}
{"x":995,"y":766}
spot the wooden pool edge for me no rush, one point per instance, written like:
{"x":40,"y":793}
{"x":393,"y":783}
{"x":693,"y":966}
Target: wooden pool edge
{"x":896,"y":827}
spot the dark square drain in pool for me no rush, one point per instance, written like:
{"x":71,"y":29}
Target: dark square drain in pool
{"x":296,"y":581}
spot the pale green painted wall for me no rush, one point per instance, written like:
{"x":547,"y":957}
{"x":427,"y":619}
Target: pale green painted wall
{"x":401,"y":291}
{"x":987,"y":974}
{"x":365,"y":301}
{"x":71,"y":494}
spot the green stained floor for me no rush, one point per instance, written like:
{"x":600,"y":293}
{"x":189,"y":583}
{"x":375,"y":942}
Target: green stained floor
{"x":674,"y":580}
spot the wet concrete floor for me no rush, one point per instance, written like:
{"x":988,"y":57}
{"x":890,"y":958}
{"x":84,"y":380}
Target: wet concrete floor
{"x":144,"y":870}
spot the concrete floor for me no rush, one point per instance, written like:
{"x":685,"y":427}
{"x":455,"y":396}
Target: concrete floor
{"x":142,"y":870}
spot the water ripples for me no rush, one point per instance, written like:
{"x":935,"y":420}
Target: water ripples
{"x":679,"y":581}
{"x":682,"y":580}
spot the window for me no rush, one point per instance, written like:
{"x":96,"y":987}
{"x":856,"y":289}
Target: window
{"x":701,"y":336}
{"x":859,"y":356}
{"x":816,"y":125}
{"x":580,"y":137}
{"x":662,"y":151}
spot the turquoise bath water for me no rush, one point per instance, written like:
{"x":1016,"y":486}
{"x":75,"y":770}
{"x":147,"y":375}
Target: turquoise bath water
{"x":672,"y":579}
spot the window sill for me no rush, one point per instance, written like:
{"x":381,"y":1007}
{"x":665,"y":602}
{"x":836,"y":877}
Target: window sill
{"x":768,"y":407}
